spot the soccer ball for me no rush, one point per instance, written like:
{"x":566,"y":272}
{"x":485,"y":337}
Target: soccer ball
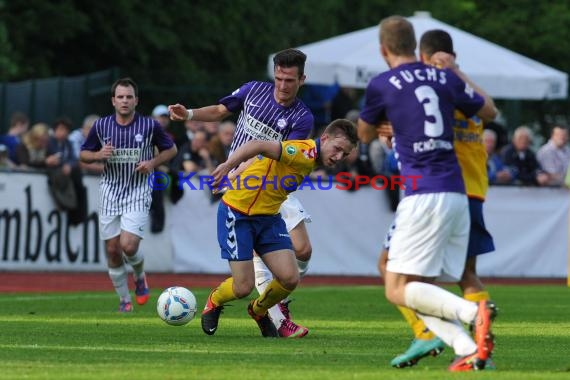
{"x":176,"y":306}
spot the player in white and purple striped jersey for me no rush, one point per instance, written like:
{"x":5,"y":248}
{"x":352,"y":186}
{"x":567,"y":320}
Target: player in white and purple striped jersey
{"x":272,"y":112}
{"x":432,"y":222}
{"x":125,"y":142}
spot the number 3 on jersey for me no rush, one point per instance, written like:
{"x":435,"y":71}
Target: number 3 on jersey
{"x":429,"y":99}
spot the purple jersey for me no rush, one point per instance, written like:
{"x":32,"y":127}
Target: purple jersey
{"x":122,"y":189}
{"x":419,"y":101}
{"x":262,"y":118}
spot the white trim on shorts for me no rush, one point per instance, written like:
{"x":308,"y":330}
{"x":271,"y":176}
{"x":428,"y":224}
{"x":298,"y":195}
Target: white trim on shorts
{"x":430,"y":236}
{"x":293,"y":213}
{"x":111,"y":226}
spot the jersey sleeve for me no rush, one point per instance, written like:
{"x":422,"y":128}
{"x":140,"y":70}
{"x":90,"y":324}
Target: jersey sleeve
{"x":299,"y":155}
{"x":303,"y":127}
{"x":235,"y":101}
{"x":92,"y":141}
{"x":374,"y":108}
{"x":467,"y":100}
{"x":160,"y":138}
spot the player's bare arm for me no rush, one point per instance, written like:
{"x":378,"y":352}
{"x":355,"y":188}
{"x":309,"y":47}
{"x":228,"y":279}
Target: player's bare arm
{"x":269,"y":149}
{"x":366,"y":132}
{"x":89,"y":157}
{"x":148,"y":166}
{"x":217,"y":112}
{"x":441,"y":59}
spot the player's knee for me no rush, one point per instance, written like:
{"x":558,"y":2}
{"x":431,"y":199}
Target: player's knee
{"x":114,"y":254}
{"x":243,"y":288}
{"x":290,"y":280}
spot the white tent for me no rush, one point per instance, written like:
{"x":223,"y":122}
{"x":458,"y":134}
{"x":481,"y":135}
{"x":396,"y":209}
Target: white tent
{"x":352,"y":59}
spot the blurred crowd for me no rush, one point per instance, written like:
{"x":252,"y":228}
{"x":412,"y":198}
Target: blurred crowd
{"x":203,"y":145}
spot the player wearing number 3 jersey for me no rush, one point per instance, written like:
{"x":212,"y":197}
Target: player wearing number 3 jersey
{"x":432,"y":221}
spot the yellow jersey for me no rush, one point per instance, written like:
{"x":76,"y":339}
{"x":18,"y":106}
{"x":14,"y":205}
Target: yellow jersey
{"x":264,"y":185}
{"x":471,"y":154}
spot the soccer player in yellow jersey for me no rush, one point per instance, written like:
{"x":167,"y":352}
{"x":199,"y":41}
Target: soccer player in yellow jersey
{"x":249,"y":219}
{"x":436,"y":47}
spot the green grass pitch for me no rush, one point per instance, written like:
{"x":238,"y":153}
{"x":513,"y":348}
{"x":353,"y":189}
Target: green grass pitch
{"x":354,"y":333}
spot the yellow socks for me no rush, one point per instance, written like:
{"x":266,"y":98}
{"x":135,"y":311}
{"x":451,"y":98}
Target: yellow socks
{"x":418,"y":326}
{"x":476,"y":297}
{"x":224,"y":292}
{"x":272,"y":294}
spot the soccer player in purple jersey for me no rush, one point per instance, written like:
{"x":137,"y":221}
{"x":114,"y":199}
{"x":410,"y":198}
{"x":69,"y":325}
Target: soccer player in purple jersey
{"x":125,"y":142}
{"x":271,"y":112}
{"x":432,"y":222}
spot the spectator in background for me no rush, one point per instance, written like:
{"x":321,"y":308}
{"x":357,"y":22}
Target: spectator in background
{"x":521,"y":159}
{"x":193,"y":126}
{"x":219,"y":145}
{"x":64,"y":174}
{"x":5,"y":162}
{"x":319,"y":100}
{"x":211,"y":128}
{"x":194,"y":155}
{"x":32,"y":151}
{"x":554,"y":156}
{"x":343,"y":103}
{"x":19,"y":123}
{"x":497,"y":172}
{"x":77,"y":137}
{"x":160,"y":114}
{"x":501,"y":133}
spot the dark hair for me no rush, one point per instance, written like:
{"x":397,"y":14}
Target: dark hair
{"x":342,"y":127}
{"x":63,"y":120}
{"x":397,"y":36}
{"x":560,"y":126}
{"x":436,"y":40}
{"x":290,"y":58}
{"x":125,"y":82}
{"x":18,"y":117}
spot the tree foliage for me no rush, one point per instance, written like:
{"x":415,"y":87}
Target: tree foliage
{"x":220,"y":44}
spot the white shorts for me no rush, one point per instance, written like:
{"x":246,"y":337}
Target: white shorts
{"x":293,"y":213}
{"x":111,"y":225}
{"x":430,"y":236}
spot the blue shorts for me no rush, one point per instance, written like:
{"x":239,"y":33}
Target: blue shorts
{"x":480,"y":240}
{"x":240,"y":234}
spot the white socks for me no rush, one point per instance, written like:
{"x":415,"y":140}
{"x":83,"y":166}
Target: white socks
{"x":119,"y":279}
{"x":432,"y":300}
{"x":303,"y":267}
{"x":137,"y":262}
{"x":443,"y":312}
{"x":452,"y":333}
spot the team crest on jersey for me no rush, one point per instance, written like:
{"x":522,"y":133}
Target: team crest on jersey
{"x":290,"y":150}
{"x":138,"y":138}
{"x":311,"y":154}
{"x":281,"y":123}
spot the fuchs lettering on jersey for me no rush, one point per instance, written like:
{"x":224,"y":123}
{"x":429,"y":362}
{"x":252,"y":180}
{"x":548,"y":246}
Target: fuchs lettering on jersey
{"x":427,"y":74}
{"x":432,"y":144}
{"x":125,"y":155}
{"x":260,"y":131}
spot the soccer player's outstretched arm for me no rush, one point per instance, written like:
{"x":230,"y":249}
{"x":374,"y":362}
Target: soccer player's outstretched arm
{"x":269,"y":149}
